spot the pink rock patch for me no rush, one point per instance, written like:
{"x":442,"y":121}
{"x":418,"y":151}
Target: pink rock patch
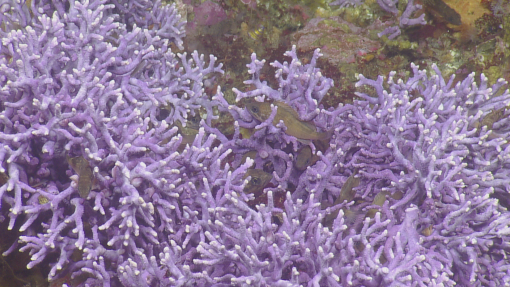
{"x":209,"y":13}
{"x":339,"y":40}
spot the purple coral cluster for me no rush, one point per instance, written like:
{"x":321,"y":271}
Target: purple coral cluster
{"x":76,"y":82}
{"x":97,"y":80}
{"x":442,"y":146}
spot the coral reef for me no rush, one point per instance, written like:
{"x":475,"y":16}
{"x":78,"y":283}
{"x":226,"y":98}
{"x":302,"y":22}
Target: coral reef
{"x":95,"y":163}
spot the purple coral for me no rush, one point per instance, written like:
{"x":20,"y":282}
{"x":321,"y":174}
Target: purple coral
{"x":302,"y":87}
{"x":77,"y":83}
{"x":433,"y":149}
{"x":91,"y":80}
{"x":405,"y":21}
{"x":426,"y":138}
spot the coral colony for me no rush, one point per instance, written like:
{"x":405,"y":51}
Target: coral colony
{"x":408,"y":186}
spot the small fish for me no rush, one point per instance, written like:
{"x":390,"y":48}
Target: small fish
{"x":427,"y":231}
{"x":347,"y":193}
{"x":186,"y":140}
{"x":246,"y":133}
{"x":254,"y":34}
{"x":188,"y":134}
{"x":29,"y":6}
{"x":3,"y":178}
{"x":353,"y":219}
{"x":193,"y":122}
{"x":40,"y":183}
{"x":259,"y":180}
{"x":492,"y":117}
{"x":251,"y":154}
{"x":85,"y":176}
{"x":305,"y":158}
{"x":138,"y":67}
{"x":380,"y":199}
{"x":445,"y":11}
{"x":295,"y":127}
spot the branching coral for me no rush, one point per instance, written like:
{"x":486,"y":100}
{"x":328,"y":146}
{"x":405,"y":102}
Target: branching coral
{"x":93,"y":101}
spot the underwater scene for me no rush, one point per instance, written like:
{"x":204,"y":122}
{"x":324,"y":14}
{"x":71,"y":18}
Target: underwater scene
{"x":254,"y":143}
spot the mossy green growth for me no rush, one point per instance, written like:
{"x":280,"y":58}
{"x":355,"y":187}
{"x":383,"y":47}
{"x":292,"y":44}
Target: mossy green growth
{"x":312,"y":4}
{"x":326,"y":40}
{"x":278,"y":13}
{"x":487,"y":47}
{"x":493,"y":73}
{"x":361,"y":15}
{"x":399,"y":44}
{"x":350,"y":70}
{"x":332,"y":23}
{"x":506,"y":33}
